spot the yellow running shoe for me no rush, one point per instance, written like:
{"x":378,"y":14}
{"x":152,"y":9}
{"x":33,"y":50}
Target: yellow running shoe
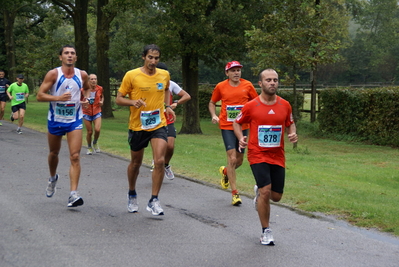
{"x":236,"y":200}
{"x":224,"y":182}
{"x":89,"y":151}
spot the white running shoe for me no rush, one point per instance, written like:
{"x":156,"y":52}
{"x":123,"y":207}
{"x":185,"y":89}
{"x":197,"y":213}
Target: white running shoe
{"x":267,"y":238}
{"x":169,"y":173}
{"x":155,"y":207}
{"x":132,"y":205}
{"x":96,"y":148}
{"x":75,"y":200}
{"x":50,"y":190}
{"x":89,"y":151}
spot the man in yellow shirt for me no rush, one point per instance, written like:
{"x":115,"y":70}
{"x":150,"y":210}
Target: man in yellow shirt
{"x":148,"y":94}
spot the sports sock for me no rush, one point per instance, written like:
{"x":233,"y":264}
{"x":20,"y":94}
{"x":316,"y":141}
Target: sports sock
{"x":132,"y":192}
{"x":53,"y":178}
{"x":234,"y":192}
{"x":153,"y":197}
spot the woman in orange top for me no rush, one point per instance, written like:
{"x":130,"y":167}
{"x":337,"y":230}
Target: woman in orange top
{"x":92,"y":114}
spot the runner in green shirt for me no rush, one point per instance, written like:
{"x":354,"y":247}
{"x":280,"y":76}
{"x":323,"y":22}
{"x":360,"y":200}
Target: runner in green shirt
{"x":18,"y":92}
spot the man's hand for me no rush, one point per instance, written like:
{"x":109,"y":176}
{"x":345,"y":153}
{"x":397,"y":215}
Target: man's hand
{"x":139,"y":103}
{"x":242,"y":143}
{"x":170,"y":113}
{"x":293,"y":137}
{"x":215,"y":119}
{"x":67,"y":96}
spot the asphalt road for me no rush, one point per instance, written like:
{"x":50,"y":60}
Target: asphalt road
{"x":200,"y":226}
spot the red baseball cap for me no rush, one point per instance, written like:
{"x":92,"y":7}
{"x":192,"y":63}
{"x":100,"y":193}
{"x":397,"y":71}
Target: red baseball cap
{"x":232,"y":64}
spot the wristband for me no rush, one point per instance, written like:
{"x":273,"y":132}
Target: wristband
{"x":167,"y":107}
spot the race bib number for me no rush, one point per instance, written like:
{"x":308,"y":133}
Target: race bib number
{"x":65,"y":111}
{"x":92,"y":98}
{"x":150,"y":119}
{"x":2,"y":89}
{"x":19,"y":96}
{"x":233,"y":111}
{"x":269,"y":135}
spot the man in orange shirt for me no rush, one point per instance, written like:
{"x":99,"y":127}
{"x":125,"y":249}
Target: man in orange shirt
{"x":234,"y":93}
{"x":269,"y":117}
{"x":92,"y":114}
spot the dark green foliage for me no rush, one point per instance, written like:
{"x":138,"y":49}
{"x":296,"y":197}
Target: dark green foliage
{"x":367,"y":114}
{"x":205,"y":94}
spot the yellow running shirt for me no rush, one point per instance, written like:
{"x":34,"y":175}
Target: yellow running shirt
{"x":151,"y":89}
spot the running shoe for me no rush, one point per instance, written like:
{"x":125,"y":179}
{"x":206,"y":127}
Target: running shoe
{"x":132,"y":204}
{"x":75,"y":200}
{"x":224,"y":182}
{"x":19,"y":131}
{"x":11,"y":118}
{"x":152,"y":166}
{"x":236,"y":200}
{"x":155,"y":207}
{"x":1,"y":124}
{"x":89,"y":151}
{"x":50,"y":190}
{"x":256,"y":197}
{"x":169,"y":173}
{"x":96,"y":148}
{"x":267,"y":238}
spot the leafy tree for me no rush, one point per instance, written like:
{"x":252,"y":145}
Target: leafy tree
{"x":106,"y":12}
{"x":78,"y":10}
{"x":10,"y":10}
{"x":30,"y":36}
{"x":129,"y":35}
{"x":379,"y":38}
{"x":104,"y":19}
{"x":298,"y":35}
{"x":211,"y":31}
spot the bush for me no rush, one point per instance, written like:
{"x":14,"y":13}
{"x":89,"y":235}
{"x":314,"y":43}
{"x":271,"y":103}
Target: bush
{"x":367,"y":114}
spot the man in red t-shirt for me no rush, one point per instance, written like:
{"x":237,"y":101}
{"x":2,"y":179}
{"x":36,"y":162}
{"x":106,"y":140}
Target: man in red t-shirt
{"x":268,"y":116}
{"x":92,"y":115}
{"x":233,"y":93}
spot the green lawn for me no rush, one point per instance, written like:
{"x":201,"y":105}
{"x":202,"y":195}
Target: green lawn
{"x":355,"y":182}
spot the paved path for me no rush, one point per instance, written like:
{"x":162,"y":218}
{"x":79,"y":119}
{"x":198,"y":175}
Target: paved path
{"x":199,"y":228}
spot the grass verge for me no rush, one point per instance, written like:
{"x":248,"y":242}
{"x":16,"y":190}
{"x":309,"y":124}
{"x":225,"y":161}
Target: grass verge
{"x":355,"y":182}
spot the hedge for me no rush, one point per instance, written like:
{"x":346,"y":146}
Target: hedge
{"x":371,"y":115}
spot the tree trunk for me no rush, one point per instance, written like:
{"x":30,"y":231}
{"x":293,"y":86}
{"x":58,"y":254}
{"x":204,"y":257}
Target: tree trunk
{"x":81,"y":34}
{"x":9,"y":19}
{"x":102,"y":43}
{"x":313,"y":96}
{"x":314,"y":75}
{"x":295,"y":108}
{"x":191,"y":121}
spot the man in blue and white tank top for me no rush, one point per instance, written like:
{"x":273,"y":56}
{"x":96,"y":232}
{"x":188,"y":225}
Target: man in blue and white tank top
{"x":62,"y":88}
